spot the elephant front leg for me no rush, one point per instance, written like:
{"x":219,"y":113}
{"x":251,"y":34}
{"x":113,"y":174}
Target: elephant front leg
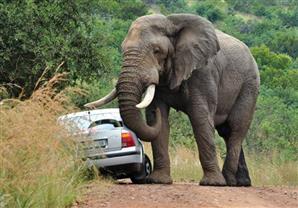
{"x":203,"y":128}
{"x":161,"y":161}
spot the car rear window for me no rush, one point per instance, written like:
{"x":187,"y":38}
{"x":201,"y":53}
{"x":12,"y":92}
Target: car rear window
{"x":110,"y":122}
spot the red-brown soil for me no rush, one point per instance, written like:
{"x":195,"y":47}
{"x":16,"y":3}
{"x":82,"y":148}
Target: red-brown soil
{"x":180,"y":195}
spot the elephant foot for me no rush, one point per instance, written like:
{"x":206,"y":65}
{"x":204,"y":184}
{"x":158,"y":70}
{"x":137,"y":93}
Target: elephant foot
{"x":230,"y":178}
{"x":213,"y":179}
{"x":242,"y":177}
{"x":237,"y":180}
{"x":243,"y":182}
{"x":159,"y":177}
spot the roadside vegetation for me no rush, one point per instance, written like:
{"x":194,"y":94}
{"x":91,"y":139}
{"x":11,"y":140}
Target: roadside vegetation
{"x":40,"y":40}
{"x":39,"y":167}
{"x":265,"y":169}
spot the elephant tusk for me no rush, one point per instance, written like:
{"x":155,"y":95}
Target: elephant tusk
{"x":149,"y":95}
{"x":106,"y":99}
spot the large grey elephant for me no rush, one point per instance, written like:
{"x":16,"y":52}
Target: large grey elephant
{"x":181,"y":61}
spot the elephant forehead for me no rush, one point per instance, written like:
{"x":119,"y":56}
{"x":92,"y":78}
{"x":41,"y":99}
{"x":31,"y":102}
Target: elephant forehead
{"x":133,"y":34}
{"x":150,"y":19}
{"x":152,"y":22}
{"x":137,"y":38}
{"x":132,"y":39}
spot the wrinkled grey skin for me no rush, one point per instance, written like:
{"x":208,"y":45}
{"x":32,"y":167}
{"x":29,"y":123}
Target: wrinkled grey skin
{"x":209,"y":75}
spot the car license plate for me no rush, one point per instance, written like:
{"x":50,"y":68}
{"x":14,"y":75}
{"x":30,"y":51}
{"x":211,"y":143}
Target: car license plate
{"x":101,"y":143}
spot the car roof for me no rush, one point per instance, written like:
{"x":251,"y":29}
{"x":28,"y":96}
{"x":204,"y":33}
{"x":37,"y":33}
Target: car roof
{"x":98,"y":114}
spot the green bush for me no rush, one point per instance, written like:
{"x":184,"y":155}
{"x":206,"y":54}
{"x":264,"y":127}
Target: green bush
{"x":285,"y":41}
{"x":275,"y":78}
{"x":209,"y":10}
{"x":274,"y":127}
{"x":181,"y":131}
{"x":85,"y":92}
{"x":289,"y":16}
{"x":173,"y":6}
{"x":267,"y":58}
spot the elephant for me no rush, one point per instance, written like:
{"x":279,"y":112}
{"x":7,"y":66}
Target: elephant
{"x":181,"y":61}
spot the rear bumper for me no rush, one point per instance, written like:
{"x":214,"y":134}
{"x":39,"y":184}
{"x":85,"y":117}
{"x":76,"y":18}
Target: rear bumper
{"x":120,"y":163}
{"x":115,"y":161}
{"x":118,"y":167}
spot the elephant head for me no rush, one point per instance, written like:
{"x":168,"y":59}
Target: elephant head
{"x":159,"y":50}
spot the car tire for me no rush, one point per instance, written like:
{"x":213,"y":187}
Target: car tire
{"x":140,"y":178}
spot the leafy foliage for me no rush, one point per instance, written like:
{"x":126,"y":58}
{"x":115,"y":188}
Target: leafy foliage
{"x":274,"y":127}
{"x":267,"y":58}
{"x":37,"y":35}
{"x":172,"y":6}
{"x":211,"y":11}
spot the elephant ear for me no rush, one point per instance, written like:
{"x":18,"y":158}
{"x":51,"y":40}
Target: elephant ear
{"x":195,"y":41}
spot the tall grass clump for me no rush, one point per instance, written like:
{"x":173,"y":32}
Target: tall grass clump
{"x":38,"y":163}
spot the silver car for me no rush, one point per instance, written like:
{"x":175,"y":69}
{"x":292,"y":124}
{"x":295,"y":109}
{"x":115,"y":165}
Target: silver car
{"x":107,"y":144}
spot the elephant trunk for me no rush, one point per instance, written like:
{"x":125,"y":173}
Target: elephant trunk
{"x":129,"y":91}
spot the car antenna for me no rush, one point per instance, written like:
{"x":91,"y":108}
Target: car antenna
{"x":89,"y":115}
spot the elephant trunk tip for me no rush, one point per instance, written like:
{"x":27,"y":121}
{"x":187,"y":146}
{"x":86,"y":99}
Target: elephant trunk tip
{"x":156,"y":127}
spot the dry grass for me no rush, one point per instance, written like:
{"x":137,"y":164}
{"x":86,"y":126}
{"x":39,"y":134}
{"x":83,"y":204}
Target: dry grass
{"x":264,"y":169}
{"x":185,"y":165}
{"x":268,"y":170}
{"x":38,"y":164}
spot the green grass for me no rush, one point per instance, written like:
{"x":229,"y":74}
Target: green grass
{"x":248,"y":17}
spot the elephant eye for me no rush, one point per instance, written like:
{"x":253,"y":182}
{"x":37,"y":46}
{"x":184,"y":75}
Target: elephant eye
{"x":156,"y":50}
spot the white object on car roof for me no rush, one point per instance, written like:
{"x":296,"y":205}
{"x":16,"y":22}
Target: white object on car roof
{"x":95,"y":114}
{"x":85,"y":118}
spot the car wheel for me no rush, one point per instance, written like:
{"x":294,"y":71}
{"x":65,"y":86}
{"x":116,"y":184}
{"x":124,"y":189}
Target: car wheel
{"x":140,"y":178}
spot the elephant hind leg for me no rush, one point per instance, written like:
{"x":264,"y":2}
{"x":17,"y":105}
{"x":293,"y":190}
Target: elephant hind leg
{"x":239,"y":121}
{"x":241,"y":177}
{"x":242,"y":174}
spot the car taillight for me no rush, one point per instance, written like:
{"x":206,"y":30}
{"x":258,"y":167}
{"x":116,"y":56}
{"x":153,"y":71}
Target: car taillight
{"x":127,"y":139}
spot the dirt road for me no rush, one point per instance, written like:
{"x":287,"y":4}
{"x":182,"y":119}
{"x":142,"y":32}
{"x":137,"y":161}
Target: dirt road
{"x":180,"y":195}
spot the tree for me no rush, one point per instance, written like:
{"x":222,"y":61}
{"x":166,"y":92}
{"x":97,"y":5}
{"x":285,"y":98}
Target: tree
{"x":77,"y":36}
{"x":209,"y":10}
{"x":37,"y":36}
{"x":173,"y":6}
{"x":285,"y":41}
